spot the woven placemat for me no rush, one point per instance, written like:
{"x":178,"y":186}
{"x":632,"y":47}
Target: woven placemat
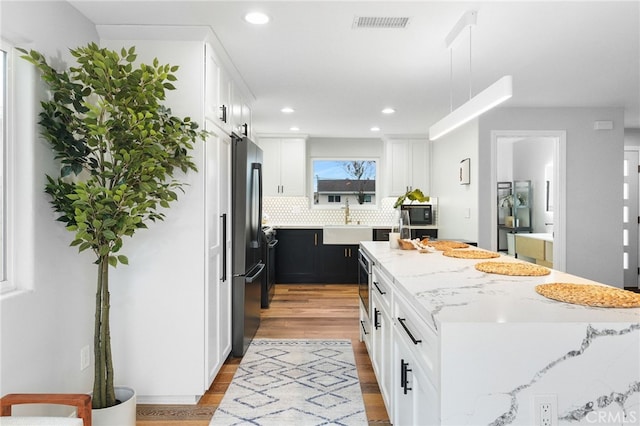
{"x":590,"y":295}
{"x":447,"y":245}
{"x":471,"y":254}
{"x":513,"y":268}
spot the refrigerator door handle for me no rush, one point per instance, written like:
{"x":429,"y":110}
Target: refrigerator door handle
{"x":256,"y":205}
{"x":251,"y":278}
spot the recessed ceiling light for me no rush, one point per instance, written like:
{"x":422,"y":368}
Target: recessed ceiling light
{"x":287,"y":110}
{"x":388,"y":111}
{"x":375,"y":129}
{"x":294,"y":129}
{"x":257,"y":18}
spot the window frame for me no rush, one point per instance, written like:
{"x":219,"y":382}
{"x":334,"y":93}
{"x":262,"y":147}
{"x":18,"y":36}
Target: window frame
{"x":352,"y":205}
{"x":7,"y":281}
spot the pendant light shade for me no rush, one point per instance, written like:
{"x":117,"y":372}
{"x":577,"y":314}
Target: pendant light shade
{"x":490,"y":97}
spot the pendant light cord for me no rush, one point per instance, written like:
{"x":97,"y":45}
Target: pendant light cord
{"x":451,"y":73}
{"x":450,"y":80}
{"x":469,"y":62}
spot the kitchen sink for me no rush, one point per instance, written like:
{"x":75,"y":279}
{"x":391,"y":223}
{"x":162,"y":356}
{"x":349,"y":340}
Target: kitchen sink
{"x":346,"y":234}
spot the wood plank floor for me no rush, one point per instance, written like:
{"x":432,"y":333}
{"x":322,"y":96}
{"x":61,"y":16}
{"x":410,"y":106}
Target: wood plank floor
{"x":298,"y":311}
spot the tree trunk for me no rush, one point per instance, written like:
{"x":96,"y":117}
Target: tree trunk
{"x":103,"y":390}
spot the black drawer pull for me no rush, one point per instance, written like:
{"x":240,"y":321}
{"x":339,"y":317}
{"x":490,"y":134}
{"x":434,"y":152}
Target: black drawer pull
{"x":404,"y":380}
{"x":375,"y":283}
{"x":406,"y":329}
{"x":376,"y":314}
{"x":363,"y":327}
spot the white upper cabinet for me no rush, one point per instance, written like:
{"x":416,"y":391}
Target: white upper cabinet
{"x":218,"y":87}
{"x":407,"y":165}
{"x":284,"y":166}
{"x":225,"y":103}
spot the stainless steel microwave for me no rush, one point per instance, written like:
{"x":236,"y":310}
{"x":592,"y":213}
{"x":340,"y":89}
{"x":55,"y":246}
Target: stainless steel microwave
{"x":419,"y":214}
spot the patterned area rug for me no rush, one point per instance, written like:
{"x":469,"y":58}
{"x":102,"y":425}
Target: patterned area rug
{"x":294,"y":382}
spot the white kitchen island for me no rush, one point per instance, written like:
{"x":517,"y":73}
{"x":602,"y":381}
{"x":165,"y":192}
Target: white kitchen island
{"x":493,"y":351}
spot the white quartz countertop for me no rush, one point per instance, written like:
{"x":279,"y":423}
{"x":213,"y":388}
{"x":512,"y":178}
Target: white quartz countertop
{"x":444,"y":289}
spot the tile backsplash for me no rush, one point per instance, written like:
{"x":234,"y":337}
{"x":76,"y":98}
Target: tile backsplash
{"x":296,"y":210}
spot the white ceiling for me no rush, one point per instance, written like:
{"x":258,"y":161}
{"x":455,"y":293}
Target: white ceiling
{"x":338,"y":79}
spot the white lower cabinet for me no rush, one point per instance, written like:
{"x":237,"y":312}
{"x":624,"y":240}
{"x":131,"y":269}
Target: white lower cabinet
{"x":381,"y":335}
{"x":415,"y":397}
{"x":405,"y":355}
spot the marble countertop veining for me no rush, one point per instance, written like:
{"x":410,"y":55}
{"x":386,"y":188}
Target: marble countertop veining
{"x":444,"y":289}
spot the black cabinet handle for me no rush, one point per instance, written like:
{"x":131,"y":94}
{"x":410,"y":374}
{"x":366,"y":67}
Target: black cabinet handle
{"x":363,"y":327}
{"x":245,"y":129}
{"x":406,"y":329}
{"x":223,"y":218}
{"x":404,"y":380}
{"x":223,"y":113}
{"x":375,"y":283}
{"x":376,"y":323}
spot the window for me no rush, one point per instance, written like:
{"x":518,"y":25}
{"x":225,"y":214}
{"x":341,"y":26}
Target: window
{"x":338,"y":181}
{"x":5,"y":69}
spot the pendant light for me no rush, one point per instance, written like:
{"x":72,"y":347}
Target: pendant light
{"x":490,"y":97}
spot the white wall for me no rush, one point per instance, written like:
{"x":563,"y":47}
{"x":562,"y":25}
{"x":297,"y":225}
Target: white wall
{"x":44,"y":328}
{"x":594,"y":183}
{"x":631,"y":137}
{"x":457,"y":204}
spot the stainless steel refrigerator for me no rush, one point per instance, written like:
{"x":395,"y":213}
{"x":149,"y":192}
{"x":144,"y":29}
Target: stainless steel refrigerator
{"x":246,"y":227}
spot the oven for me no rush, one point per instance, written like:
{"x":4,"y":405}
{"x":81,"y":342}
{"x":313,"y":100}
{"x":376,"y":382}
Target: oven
{"x":364,"y":280}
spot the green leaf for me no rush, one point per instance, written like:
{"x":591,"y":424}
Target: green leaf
{"x":123,"y":259}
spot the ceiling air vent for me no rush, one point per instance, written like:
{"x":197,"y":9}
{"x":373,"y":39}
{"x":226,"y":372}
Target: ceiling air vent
{"x":380,"y":22}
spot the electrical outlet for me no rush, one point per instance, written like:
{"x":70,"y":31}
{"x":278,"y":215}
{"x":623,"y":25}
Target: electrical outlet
{"x":545,"y":414}
{"x":85,"y":357}
{"x":545,"y":410}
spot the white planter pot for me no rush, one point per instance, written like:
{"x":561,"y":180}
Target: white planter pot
{"x":123,"y":414}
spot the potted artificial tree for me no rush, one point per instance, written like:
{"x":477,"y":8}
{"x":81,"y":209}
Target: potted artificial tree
{"x":119,"y":149}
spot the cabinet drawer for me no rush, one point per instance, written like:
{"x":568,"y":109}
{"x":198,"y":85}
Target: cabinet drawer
{"x":381,"y":286}
{"x":421,"y":340}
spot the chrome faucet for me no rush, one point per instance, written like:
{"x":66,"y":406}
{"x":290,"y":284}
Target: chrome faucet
{"x":347,"y":214}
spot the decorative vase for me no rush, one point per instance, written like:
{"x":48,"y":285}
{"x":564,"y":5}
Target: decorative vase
{"x":404,"y":225}
{"x":123,"y":414}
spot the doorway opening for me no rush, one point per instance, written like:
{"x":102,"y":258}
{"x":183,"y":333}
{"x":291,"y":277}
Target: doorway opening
{"x":551,"y":190}
{"x":630,"y":218}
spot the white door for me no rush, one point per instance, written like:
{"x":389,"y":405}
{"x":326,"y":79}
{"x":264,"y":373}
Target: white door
{"x":630,"y":219}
